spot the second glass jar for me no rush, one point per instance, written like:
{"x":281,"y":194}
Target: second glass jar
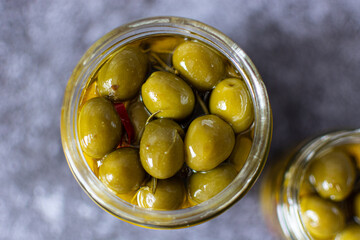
{"x":313,"y":192}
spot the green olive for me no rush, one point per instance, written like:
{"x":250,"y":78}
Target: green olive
{"x":204,"y":185}
{"x":232,"y":102}
{"x":121,"y":77}
{"x":306,"y":188}
{"x":169,"y":194}
{"x":99,"y":127}
{"x":208,"y":142}
{"x":357,"y":206}
{"x":322,"y":218}
{"x":138,"y":116}
{"x":170,"y":124}
{"x":354,"y":151}
{"x":241,"y":151}
{"x":199,"y":64}
{"x":121,"y":171}
{"x":333,"y":175}
{"x":169,"y":94}
{"x":351,"y":232}
{"x":161,"y":149}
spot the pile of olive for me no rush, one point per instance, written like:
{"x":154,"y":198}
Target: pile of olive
{"x":166,"y":122}
{"x":330,"y":194}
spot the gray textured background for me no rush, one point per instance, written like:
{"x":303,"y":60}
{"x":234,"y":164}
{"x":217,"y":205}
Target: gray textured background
{"x":308,"y":53}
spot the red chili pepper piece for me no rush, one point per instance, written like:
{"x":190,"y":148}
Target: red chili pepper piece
{"x":121,"y":110}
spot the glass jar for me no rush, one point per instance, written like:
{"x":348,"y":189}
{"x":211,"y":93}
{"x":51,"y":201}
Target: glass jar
{"x":97,"y":190}
{"x":281,"y":187}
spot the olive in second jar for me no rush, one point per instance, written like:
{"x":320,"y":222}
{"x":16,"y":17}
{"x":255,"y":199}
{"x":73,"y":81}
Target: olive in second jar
{"x":333,"y":175}
{"x":357,"y":207}
{"x":169,"y":194}
{"x":351,"y":232}
{"x":199,"y":64}
{"x":161,"y":149}
{"x":232,"y":102}
{"x":354,"y":151}
{"x":322,"y":218}
{"x":120,"y":78}
{"x":121,"y":171}
{"x":204,"y":185}
{"x":169,"y":94}
{"x":99,"y":127}
{"x":208,"y":142}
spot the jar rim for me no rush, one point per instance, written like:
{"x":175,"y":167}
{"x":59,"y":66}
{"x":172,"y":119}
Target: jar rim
{"x":187,"y":216}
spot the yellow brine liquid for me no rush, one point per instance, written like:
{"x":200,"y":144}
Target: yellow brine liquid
{"x":182,"y":67}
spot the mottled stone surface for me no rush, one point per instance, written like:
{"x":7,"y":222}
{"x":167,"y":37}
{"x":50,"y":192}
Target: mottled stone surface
{"x":308,"y":53}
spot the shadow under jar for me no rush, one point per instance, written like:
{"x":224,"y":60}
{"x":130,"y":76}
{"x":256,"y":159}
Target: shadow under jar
{"x":313,"y":193}
{"x":238,"y":66}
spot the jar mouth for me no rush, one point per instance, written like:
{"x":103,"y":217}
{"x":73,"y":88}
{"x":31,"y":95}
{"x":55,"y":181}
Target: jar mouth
{"x":289,"y":212}
{"x":182,"y":217}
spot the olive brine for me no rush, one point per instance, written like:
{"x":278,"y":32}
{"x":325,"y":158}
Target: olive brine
{"x":166,"y":122}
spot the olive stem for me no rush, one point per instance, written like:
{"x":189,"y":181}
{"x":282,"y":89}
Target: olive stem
{"x":232,"y":73}
{"x":133,"y":146}
{"x":94,"y":76}
{"x":154,"y":185}
{"x":159,"y":68}
{"x":146,"y":50}
{"x":162,"y":63}
{"x":135,"y":197}
{"x":151,"y":116}
{"x":201,"y":102}
{"x":163,"y":51}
